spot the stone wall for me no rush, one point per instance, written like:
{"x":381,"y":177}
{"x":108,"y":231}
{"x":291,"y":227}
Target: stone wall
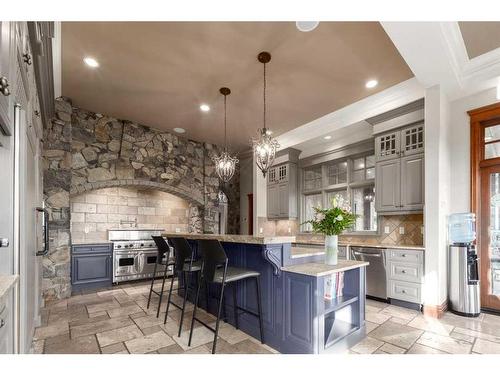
{"x":85,"y":151}
{"x":94,"y":213}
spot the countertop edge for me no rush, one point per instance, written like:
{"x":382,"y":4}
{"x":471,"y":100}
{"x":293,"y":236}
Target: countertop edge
{"x":235,"y":238}
{"x":7,"y":282}
{"x":298,"y":268}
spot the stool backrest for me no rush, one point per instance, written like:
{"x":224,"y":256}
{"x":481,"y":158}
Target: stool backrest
{"x":163,"y":248}
{"x":213,"y":256}
{"x":182,"y":251}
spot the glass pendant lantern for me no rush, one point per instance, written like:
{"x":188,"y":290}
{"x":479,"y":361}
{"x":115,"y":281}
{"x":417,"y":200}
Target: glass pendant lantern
{"x":264,"y":148}
{"x":225,"y":164}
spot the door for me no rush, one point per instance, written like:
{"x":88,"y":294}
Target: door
{"x":387,"y":146}
{"x":273,"y":204}
{"x":412,"y":140}
{"x":412,"y":182}
{"x":388,"y":183}
{"x":283,"y":200}
{"x":489,"y":237}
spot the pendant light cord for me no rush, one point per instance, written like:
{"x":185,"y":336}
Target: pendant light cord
{"x":264,"y":97}
{"x":225,"y":124}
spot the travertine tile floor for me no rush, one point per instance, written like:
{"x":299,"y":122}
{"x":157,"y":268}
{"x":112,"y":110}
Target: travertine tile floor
{"x":117,"y":321}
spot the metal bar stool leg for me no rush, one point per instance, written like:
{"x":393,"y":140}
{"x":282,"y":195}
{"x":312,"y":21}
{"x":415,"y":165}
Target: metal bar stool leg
{"x":259,"y":309}
{"x":152,"y":283}
{"x":184,"y":278}
{"x":169,"y":297}
{"x":235,"y":304}
{"x":195,"y":308}
{"x":219,"y":310}
{"x":161,"y":293}
{"x":207,"y":301}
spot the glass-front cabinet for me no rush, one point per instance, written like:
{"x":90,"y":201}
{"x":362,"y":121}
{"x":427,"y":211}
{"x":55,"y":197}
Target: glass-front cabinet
{"x":352,"y":178}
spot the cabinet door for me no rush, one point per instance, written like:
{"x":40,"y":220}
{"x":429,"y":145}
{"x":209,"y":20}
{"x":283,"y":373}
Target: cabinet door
{"x":273,"y":203}
{"x":387,"y":146}
{"x":284,"y":200}
{"x":89,"y":268}
{"x":271,"y":176}
{"x":388,"y":185}
{"x":412,"y":182}
{"x":282,"y":173}
{"x":412,"y":140}
{"x":7,"y":37}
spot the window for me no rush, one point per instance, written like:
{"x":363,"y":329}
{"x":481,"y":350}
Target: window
{"x":337,"y":173}
{"x":363,"y":204}
{"x":331,"y":194}
{"x":311,"y":201}
{"x":492,"y":142}
{"x":313,"y":178}
{"x":363,"y":168}
{"x":353,"y":179}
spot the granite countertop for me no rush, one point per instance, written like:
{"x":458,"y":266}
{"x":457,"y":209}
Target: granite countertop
{"x":400,"y":247}
{"x":302,"y":252}
{"x":237,"y":238}
{"x":7,"y":282}
{"x":321,"y":269}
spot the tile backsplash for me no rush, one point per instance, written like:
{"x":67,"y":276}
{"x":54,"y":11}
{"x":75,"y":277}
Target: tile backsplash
{"x":95,"y":212}
{"x":404,"y":230}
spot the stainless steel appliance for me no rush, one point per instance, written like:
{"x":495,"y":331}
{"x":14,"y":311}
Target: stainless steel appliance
{"x":463,"y":272}
{"x":376,"y":281}
{"x":134,"y":254}
{"x":463,"y":280}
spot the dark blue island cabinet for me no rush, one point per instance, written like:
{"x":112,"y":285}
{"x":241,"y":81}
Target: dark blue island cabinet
{"x":296,"y":316}
{"x":91,"y":266}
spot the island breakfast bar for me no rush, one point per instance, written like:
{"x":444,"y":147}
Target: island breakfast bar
{"x":296,"y":316}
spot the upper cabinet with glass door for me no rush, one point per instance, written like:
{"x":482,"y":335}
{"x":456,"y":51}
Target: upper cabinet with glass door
{"x":397,"y":143}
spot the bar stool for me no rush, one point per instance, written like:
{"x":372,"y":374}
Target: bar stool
{"x":185,"y":265}
{"x":162,"y":259}
{"x":215,"y":269}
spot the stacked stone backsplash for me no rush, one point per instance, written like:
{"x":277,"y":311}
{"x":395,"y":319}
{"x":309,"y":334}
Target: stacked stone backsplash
{"x":86,"y":151}
{"x":412,"y":224}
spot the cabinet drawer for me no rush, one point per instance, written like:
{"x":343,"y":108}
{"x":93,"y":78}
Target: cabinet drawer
{"x":92,"y":248}
{"x":411,"y":272}
{"x":411,"y":256}
{"x":404,"y":291}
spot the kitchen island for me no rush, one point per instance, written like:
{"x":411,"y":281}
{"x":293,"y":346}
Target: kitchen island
{"x":296,"y":316}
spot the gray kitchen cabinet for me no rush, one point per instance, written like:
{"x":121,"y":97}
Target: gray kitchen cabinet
{"x":388,"y":185}
{"x":412,"y":178}
{"x":387,"y":146}
{"x":399,"y":170}
{"x":91,"y":266}
{"x":282,"y":192}
{"x":7,"y":323}
{"x":7,"y":63}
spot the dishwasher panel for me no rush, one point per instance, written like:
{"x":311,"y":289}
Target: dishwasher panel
{"x":376,"y":279}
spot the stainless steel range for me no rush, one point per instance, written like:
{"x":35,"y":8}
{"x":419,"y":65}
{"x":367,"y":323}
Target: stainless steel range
{"x":134,"y":254}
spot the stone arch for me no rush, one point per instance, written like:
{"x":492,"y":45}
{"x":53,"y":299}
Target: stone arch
{"x":191,"y":196}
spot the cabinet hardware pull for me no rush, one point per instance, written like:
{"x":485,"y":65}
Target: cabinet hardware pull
{"x":403,"y":271}
{"x":4,"y":84}
{"x":2,"y":323}
{"x":403,"y":255}
{"x":27,"y":58}
{"x":403,"y":291}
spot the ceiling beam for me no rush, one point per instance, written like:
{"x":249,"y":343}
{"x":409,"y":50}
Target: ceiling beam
{"x":383,"y":101}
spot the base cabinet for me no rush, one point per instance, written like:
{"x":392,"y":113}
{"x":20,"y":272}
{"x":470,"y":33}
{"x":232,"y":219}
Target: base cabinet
{"x":405,"y":275}
{"x":7,"y":324}
{"x":91,"y":266}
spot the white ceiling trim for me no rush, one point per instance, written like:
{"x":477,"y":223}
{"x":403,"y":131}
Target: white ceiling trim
{"x":436,"y":53}
{"x":386,"y":100}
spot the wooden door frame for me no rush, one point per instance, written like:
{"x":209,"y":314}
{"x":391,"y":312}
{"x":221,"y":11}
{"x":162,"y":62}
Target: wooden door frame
{"x":480,"y":118}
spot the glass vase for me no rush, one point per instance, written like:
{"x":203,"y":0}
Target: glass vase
{"x":331,"y":249}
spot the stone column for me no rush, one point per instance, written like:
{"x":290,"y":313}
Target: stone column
{"x":57,"y":161}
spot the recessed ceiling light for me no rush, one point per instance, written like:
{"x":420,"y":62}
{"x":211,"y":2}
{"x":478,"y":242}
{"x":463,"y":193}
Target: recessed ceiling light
{"x":327,"y":137}
{"x":90,"y":61}
{"x":306,"y":26}
{"x":204,"y":107}
{"x":371,"y":83}
{"x":179,"y":130}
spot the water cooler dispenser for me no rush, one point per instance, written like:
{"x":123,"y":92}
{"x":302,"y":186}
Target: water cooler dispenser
{"x":463,"y":271}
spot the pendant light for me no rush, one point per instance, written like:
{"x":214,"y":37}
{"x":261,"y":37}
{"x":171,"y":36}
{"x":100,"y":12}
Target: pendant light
{"x":225,"y":164}
{"x":265,"y":147}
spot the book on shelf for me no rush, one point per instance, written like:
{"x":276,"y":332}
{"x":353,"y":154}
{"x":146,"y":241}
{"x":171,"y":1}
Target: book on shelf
{"x":334,"y":285}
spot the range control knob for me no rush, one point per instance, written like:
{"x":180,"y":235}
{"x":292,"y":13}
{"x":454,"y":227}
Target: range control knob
{"x":118,"y":246}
